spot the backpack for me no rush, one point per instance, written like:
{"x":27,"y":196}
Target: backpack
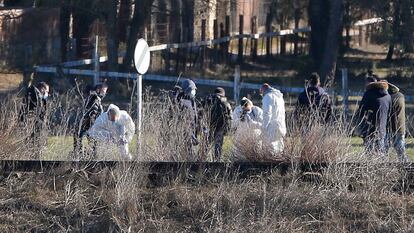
{"x":220,"y":113}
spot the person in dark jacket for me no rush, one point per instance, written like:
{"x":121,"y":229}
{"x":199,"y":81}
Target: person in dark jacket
{"x":188,"y":113}
{"x":314,"y":100}
{"x":34,"y":102}
{"x":92,"y":108}
{"x":33,"y":114}
{"x":373,"y":116}
{"x":219,"y":115}
{"x":397,"y":128}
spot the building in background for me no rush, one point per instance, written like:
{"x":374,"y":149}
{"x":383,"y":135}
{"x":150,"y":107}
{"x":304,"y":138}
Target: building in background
{"x":28,"y":36}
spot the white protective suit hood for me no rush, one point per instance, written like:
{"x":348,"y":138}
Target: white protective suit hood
{"x":274,"y":122}
{"x":119,"y":132}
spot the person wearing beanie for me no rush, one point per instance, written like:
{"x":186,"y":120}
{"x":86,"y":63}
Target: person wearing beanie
{"x":396,"y":126}
{"x":188,"y":110}
{"x":218,"y":113}
{"x":274,"y":123}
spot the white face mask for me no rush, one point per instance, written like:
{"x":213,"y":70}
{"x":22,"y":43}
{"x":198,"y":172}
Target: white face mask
{"x":192,"y":93}
{"x":45,"y":96}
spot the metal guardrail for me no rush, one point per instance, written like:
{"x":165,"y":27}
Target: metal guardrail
{"x":162,"y":78}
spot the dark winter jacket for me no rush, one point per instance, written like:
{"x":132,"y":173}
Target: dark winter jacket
{"x":374,"y":110}
{"x":219,"y":113}
{"x":92,"y":109}
{"x":397,"y":113}
{"x":315,"y":100}
{"x":33,"y":105}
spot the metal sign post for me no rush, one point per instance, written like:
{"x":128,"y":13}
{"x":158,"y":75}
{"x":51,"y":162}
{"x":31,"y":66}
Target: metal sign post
{"x":96,"y":61}
{"x":139,"y":112}
{"x":141,"y":61}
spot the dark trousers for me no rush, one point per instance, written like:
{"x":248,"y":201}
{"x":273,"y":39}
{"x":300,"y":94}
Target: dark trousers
{"x":217,"y":141}
{"x":78,"y":150}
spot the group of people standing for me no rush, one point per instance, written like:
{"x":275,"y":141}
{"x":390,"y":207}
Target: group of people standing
{"x":268,"y":121}
{"x":380,"y":118}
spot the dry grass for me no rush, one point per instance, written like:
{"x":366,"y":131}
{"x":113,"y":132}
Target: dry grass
{"x":10,"y":81}
{"x":368,"y":197}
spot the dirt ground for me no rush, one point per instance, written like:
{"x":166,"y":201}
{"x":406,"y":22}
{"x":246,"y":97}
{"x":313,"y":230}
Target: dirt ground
{"x":10,"y":82}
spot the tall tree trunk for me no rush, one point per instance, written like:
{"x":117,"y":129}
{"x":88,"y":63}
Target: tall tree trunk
{"x":395,"y":29}
{"x":334,"y":33}
{"x":325,"y":36}
{"x":82,"y":21}
{"x":112,"y":42}
{"x":407,"y":19}
{"x":296,"y":36}
{"x":282,"y":38}
{"x":142,"y":13}
{"x":347,"y":23}
{"x":123,"y":19}
{"x":319,"y":21}
{"x":269,"y":19}
{"x":64,"y":22}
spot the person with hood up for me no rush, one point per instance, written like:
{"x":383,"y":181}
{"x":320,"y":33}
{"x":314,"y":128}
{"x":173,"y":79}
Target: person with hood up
{"x":373,"y":116}
{"x":274,"y":124}
{"x":92,"y":108}
{"x":247,"y":115}
{"x":314,"y":100}
{"x":219,"y":114}
{"x":396,"y":127}
{"x":247,"y":123}
{"x":187,"y":103}
{"x":114,"y":126}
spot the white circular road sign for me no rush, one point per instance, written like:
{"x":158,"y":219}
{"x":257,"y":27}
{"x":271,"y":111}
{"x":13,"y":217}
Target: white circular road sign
{"x":141,"y":56}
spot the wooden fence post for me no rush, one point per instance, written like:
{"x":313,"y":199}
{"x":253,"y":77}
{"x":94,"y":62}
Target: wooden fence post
{"x":345,"y":91}
{"x":240,"y":52}
{"x":253,"y":46}
{"x":203,"y":38}
{"x":268,"y":38}
{"x":96,"y":61}
{"x":227,"y":31}
{"x":215,"y":35}
{"x":236,"y":83}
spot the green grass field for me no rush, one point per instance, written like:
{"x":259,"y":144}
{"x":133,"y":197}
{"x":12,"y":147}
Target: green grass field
{"x":60,"y":148}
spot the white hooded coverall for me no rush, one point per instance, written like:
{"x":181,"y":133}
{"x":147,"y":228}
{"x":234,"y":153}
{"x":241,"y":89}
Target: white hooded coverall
{"x":254,"y":118}
{"x":274,"y":124}
{"x":120,"y":132}
{"x":247,"y":135}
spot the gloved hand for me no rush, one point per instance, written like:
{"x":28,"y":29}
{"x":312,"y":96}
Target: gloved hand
{"x":194,"y":140}
{"x":122,"y":141}
{"x":206,"y":130}
{"x":247,"y":118}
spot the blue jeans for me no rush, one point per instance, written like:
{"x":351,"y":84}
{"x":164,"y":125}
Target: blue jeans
{"x":375,"y":146}
{"x":398,"y":142}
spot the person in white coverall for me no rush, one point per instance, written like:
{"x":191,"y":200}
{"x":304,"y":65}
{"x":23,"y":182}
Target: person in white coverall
{"x":247,"y":122}
{"x":114,"y":126}
{"x":247,"y":115}
{"x":274,"y":124}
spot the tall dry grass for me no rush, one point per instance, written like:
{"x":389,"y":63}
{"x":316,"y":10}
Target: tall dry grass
{"x":368,"y":196}
{"x":166,"y":135}
{"x":364,"y":198}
